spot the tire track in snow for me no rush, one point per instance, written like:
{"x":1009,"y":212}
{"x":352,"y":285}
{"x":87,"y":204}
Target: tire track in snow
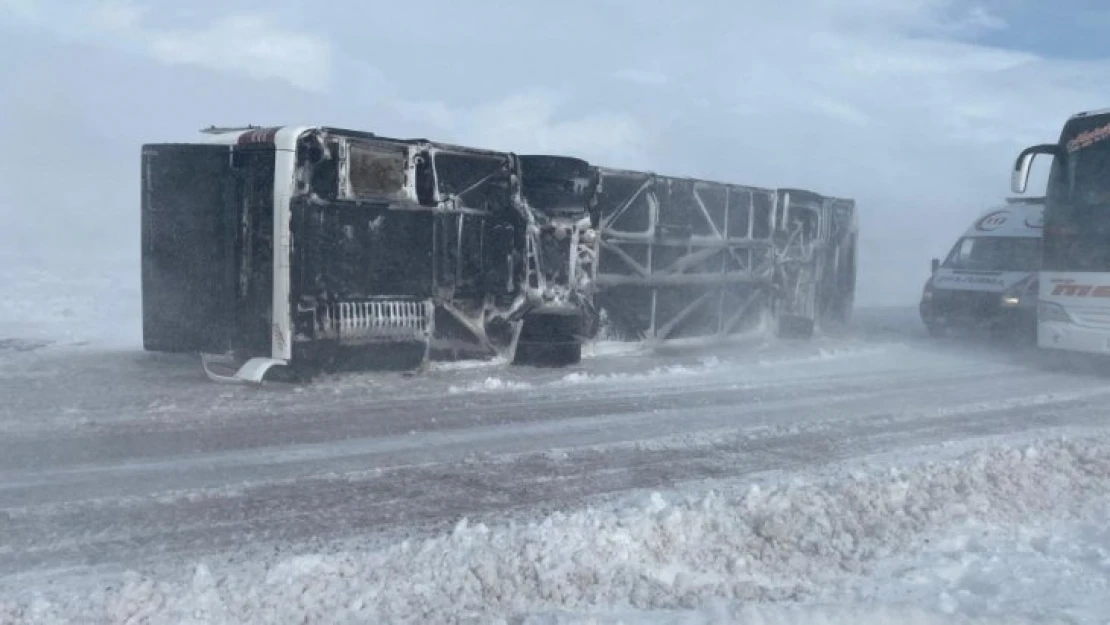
{"x":437,"y":493}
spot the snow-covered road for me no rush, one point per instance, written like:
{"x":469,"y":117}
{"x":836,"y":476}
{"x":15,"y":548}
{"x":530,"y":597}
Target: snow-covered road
{"x":114,"y":460}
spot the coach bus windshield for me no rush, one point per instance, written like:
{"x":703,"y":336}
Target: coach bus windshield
{"x":1077,"y":211}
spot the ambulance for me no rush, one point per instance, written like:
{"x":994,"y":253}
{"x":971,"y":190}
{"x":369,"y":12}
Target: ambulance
{"x":988,"y":281}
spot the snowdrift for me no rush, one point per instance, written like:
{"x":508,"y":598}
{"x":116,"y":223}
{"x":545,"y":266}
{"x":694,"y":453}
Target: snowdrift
{"x":806,"y":550}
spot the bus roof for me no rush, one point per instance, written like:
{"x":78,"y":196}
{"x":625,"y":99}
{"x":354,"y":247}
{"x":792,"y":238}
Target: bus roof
{"x":228,"y":135}
{"x":1013,"y":219}
{"x":1105,"y":111}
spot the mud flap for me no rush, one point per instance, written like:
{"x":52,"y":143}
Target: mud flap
{"x":252,"y":371}
{"x":552,"y":340}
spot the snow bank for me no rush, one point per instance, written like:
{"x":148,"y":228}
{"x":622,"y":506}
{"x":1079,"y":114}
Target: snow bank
{"x":602,"y":348}
{"x":493,"y":383}
{"x":489,"y":384}
{"x":798,"y":552}
{"x":463,"y":365}
{"x":769,"y":615}
{"x":1050,"y":572}
{"x":706,"y":364}
{"x":1056,"y":571}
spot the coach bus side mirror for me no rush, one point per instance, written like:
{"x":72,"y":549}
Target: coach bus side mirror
{"x":1019,"y":177}
{"x":936,"y":264}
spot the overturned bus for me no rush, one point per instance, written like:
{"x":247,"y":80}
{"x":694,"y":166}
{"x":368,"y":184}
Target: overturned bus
{"x":683,"y":259}
{"x":323,"y":248}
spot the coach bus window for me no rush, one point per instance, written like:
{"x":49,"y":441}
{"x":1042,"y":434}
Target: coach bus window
{"x":1077,"y":217}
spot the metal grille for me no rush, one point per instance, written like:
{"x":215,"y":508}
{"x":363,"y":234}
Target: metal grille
{"x":379,"y":321}
{"x":966,"y":303}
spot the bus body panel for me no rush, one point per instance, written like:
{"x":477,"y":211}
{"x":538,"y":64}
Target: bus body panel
{"x":1074,"y":314}
{"x":1076,"y":311}
{"x":189,"y":235}
{"x":333,"y":248}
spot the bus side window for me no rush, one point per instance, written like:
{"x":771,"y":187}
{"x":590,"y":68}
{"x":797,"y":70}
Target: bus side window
{"x":325,"y":173}
{"x":425,"y":180}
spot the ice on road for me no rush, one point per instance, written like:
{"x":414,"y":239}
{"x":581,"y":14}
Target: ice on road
{"x":874,"y":477}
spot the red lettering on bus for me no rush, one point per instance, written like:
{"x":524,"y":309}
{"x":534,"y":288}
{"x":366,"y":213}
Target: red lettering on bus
{"x":1081,"y":290}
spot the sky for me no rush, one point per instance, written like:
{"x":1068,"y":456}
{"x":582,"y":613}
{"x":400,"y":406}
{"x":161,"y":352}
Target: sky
{"x":914,"y":108}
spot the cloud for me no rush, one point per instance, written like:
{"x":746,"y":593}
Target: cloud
{"x":248,"y":44}
{"x":115,"y":16}
{"x":894,"y":104}
{"x":948,"y":18}
{"x":529,"y":121}
{"x":20,"y":10}
{"x":533,"y":121}
{"x":897,"y":104}
{"x":643,"y":77}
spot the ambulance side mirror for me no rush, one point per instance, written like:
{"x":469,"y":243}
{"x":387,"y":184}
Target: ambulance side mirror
{"x":936,"y":265}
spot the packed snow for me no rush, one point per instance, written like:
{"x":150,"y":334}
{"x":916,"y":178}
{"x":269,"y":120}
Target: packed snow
{"x":1013,"y":532}
{"x":667,"y":374}
{"x":1006,"y":532}
{"x":489,"y":384}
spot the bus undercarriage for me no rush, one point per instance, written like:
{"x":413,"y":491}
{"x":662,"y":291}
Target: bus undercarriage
{"x":328,"y":249}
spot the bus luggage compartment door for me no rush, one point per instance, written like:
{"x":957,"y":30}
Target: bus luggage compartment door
{"x":188,"y":236}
